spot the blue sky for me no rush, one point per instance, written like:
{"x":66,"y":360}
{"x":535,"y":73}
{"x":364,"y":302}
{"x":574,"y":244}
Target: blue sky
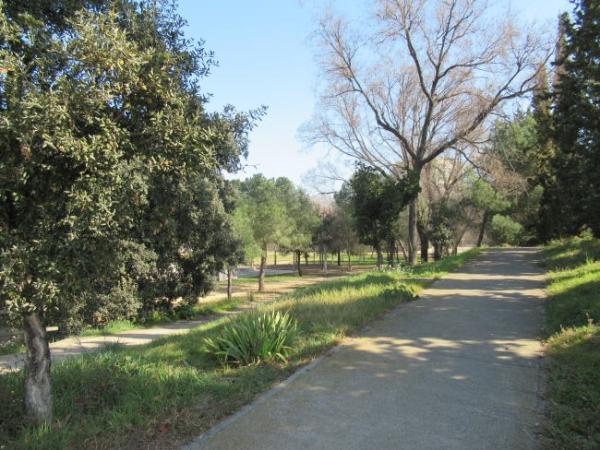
{"x":266,"y":58}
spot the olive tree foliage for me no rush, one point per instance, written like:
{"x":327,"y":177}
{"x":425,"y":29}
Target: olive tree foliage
{"x":111,"y":192}
{"x":423,"y":79}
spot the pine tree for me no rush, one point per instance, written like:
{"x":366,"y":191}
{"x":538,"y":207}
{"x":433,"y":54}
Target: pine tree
{"x":572,"y":196}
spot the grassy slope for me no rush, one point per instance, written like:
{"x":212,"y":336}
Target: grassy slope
{"x":573,"y":331}
{"x":167,"y":391}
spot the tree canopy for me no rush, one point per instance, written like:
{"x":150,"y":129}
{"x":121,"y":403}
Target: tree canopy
{"x":111,"y":187}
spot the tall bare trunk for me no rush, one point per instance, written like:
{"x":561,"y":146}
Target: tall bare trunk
{"x":275,"y":256}
{"x":38,"y":395}
{"x":349,"y":261}
{"x":229,"y":283}
{"x":298,"y":259}
{"x":261,"y":273}
{"x":339,"y":258}
{"x":486,"y":217}
{"x":412,"y":232}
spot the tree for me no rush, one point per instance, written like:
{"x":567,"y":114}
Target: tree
{"x":490,"y":201}
{"x":505,"y":230}
{"x":425,"y":82}
{"x":571,"y":199}
{"x":343,"y":226}
{"x":443,"y":209}
{"x":302,"y":217}
{"x":376,"y":204}
{"x":111,"y":191}
{"x":267,"y":217}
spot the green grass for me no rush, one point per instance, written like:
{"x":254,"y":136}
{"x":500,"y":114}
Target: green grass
{"x":13,"y":346}
{"x":268,"y":279}
{"x":573,"y":332}
{"x":217,"y":307}
{"x":170,"y":390}
{"x":114,"y":327}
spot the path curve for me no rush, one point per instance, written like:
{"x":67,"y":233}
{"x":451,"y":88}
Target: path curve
{"x":458,"y":369}
{"x":78,"y":345}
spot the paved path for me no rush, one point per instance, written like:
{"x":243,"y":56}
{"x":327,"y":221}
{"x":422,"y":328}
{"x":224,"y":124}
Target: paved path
{"x":459,"y":369}
{"x":78,"y":345}
{"x":74,"y":346}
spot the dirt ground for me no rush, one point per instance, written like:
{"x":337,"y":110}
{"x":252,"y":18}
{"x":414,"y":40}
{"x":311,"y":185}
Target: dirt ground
{"x":276,"y":286}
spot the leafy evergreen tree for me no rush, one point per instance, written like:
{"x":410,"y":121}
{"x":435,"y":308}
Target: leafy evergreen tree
{"x":111,"y":191}
{"x":268,"y":220}
{"x":303,"y":219}
{"x":376,"y":203}
{"x":572,"y":191}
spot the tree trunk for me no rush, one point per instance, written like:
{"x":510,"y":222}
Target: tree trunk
{"x":458,"y":240}
{"x":38,"y":395}
{"x":486,"y":217}
{"x":306,"y":258}
{"x":391,"y":253}
{"x":275,"y":256}
{"x":401,"y":247}
{"x":412,"y":232}
{"x":325,"y":260}
{"x":229,"y":283}
{"x":298,"y":259}
{"x":437,"y":251}
{"x":424,"y":239}
{"x":261,"y":273}
{"x":349,"y":261}
{"x":339,"y":258}
{"x":379,"y":257}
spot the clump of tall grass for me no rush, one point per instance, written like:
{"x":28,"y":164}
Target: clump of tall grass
{"x":254,"y":338}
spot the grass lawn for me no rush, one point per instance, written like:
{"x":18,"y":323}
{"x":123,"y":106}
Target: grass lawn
{"x":268,"y":279}
{"x":573,"y":331}
{"x":161,"y":394}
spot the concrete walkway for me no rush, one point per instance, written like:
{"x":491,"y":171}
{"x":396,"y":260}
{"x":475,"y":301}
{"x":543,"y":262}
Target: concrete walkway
{"x":459,"y":369}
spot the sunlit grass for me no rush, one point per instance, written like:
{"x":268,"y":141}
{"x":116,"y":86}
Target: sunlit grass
{"x":573,"y":331}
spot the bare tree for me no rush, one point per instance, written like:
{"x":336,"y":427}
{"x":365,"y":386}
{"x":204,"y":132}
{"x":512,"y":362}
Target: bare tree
{"x":425,"y":81}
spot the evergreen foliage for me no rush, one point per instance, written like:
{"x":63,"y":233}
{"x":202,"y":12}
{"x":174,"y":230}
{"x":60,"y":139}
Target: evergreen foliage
{"x":571,"y":198}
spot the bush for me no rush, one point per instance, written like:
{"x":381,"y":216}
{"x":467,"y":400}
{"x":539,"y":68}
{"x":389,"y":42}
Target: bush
{"x":121,"y":303}
{"x":254,"y":338}
{"x":505,"y":230}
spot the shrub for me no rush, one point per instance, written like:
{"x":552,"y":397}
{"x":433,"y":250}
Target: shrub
{"x":254,"y":338}
{"x":505,"y":230}
{"x":121,"y":303}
